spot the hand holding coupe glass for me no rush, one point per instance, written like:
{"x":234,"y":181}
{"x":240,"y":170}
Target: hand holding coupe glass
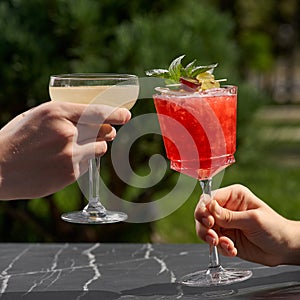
{"x":114,"y":90}
{"x":39,"y":154}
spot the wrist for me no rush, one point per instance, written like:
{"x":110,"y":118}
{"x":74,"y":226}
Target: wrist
{"x":1,"y":169}
{"x":292,"y":254}
{"x":4,"y":195}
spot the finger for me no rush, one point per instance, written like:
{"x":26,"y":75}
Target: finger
{"x":90,"y":133}
{"x":229,"y":219}
{"x":206,"y":234}
{"x":85,"y":113}
{"x":202,"y":214}
{"x":236,"y":197}
{"x":99,"y":114}
{"x":90,"y":150}
{"x":226,"y":247}
{"x":224,"y":195}
{"x":106,"y":133}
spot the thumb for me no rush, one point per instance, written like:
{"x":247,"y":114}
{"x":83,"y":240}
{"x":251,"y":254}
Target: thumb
{"x":227,"y":218}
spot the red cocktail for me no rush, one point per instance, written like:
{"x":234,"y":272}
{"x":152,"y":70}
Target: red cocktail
{"x":198,"y":124}
{"x":199,"y":129}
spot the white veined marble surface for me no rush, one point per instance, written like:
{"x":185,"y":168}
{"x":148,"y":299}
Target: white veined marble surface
{"x":129,"y":271}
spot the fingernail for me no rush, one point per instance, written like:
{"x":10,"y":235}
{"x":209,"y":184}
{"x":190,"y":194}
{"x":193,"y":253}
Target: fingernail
{"x":210,"y":240}
{"x":224,"y":246}
{"x":206,"y":222}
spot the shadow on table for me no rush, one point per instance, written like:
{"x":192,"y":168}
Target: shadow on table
{"x":285,"y":285}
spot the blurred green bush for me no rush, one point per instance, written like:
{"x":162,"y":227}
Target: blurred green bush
{"x":43,"y":37}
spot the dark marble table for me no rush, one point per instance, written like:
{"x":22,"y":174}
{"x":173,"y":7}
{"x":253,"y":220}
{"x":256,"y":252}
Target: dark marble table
{"x":129,"y":271}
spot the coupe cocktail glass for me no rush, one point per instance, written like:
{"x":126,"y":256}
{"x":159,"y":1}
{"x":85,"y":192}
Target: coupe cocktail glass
{"x":199,"y":134}
{"x":117,"y":90}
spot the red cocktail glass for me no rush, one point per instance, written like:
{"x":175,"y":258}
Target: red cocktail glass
{"x":199,"y":134}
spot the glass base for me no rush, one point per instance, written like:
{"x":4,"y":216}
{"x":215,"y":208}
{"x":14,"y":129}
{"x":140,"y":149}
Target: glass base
{"x":215,"y":276}
{"x":82,"y":217}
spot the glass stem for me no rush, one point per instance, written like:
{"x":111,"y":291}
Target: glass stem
{"x":94,"y":205}
{"x":213,"y":252}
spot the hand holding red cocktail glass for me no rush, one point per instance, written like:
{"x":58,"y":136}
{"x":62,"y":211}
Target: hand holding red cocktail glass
{"x":198,"y":123}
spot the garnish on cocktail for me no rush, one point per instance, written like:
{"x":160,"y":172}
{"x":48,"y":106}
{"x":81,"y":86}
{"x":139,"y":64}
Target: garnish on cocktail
{"x":191,"y":77}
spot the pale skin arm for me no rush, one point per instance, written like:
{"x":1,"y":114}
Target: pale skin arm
{"x":248,"y":228}
{"x":48,"y":147}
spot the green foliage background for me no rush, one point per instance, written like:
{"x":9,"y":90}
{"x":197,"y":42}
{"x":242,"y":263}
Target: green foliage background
{"x":43,"y":37}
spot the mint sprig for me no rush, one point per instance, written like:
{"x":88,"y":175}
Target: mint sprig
{"x":177,"y":70}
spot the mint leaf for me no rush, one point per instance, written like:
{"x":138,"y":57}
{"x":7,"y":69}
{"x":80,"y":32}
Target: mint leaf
{"x":201,"y":69}
{"x":189,"y":69}
{"x":158,"y":73}
{"x":175,"y":68}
